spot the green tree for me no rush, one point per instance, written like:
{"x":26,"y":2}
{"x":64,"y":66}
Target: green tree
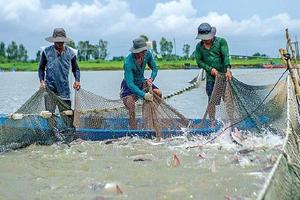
{"x":186,"y":50}
{"x":38,"y":56}
{"x":2,"y":49}
{"x":256,"y":54}
{"x":12,"y":51}
{"x":71,"y":44}
{"x":145,"y":37}
{"x":103,"y":49}
{"x":154,"y":44}
{"x":170,"y":47}
{"x":83,"y":50}
{"x":163,"y":46}
{"x":22,"y":53}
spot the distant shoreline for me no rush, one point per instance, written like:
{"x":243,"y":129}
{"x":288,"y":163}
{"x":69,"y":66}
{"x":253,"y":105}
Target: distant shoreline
{"x":100,"y":65}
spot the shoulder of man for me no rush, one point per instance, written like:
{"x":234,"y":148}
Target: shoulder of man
{"x":128,"y":60}
{"x":221,"y":40}
{"x":71,"y":51}
{"x":47,"y":48}
{"x":149,"y":54}
{"x":199,"y":45}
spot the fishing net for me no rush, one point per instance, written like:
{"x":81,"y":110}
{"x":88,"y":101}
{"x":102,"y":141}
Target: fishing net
{"x":284,"y":179}
{"x":247,"y":107}
{"x":154,"y":118}
{"x":43,"y":119}
{"x":256,"y":109}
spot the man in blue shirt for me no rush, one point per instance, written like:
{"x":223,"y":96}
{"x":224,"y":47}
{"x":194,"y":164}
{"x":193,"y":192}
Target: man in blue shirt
{"x":134,"y":84}
{"x":55,"y":64}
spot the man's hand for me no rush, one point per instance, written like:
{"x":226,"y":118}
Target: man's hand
{"x":149,"y":82}
{"x":148,"y":96}
{"x":42,"y":84}
{"x":214,"y":72}
{"x":228,"y":75}
{"x":76,"y":85}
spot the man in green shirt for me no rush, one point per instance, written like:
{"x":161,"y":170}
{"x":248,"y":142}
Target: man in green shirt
{"x":212,"y":55}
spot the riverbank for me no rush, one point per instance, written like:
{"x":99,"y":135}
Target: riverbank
{"x":118,"y":65}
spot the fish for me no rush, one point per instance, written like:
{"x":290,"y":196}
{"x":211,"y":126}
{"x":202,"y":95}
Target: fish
{"x":237,"y":137}
{"x":113,"y":188}
{"x":245,"y":151}
{"x":202,"y":155}
{"x":175,"y":162}
{"x":141,"y":159}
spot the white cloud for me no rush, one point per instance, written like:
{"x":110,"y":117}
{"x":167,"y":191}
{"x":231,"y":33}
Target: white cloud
{"x":114,"y":19}
{"x":14,"y":9}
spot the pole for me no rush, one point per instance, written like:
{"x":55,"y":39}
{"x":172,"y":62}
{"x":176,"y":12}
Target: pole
{"x":290,"y":47}
{"x":286,"y":58}
{"x":174,"y":46}
{"x":297,"y":48}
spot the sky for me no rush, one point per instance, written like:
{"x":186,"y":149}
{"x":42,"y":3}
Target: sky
{"x":249,"y":26}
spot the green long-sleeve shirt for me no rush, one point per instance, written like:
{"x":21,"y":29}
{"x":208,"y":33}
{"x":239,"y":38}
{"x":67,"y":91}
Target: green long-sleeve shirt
{"x":134,"y":74}
{"x":216,"y":57}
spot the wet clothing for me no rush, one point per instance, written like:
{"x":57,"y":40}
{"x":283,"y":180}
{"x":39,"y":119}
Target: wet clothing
{"x":134,"y":74}
{"x":209,"y":88}
{"x":126,"y":91}
{"x":216,"y":57}
{"x":54,"y":69}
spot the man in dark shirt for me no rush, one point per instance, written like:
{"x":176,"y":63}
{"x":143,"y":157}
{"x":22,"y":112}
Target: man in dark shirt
{"x":54,"y":67}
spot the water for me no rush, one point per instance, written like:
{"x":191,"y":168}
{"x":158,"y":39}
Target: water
{"x":81,"y":171}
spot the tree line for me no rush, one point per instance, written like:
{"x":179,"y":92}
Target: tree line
{"x":88,"y":51}
{"x":13,"y":52}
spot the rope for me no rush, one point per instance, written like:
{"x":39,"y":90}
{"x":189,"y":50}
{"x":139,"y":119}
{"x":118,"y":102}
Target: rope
{"x":194,"y":85}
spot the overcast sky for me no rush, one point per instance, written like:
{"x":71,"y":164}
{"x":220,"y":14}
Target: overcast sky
{"x":248,"y":25}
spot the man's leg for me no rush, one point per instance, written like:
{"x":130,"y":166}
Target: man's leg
{"x":129,"y":102}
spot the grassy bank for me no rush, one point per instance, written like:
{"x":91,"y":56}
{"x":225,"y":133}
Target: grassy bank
{"x":117,"y":65}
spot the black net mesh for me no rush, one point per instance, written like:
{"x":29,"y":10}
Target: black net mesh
{"x":247,"y":107}
{"x":43,"y":119}
{"x":284,"y":179}
{"x":93,"y":111}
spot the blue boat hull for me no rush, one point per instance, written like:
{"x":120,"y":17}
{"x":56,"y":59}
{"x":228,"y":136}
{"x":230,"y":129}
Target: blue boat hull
{"x":41,"y":125}
{"x":104,"y":134}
